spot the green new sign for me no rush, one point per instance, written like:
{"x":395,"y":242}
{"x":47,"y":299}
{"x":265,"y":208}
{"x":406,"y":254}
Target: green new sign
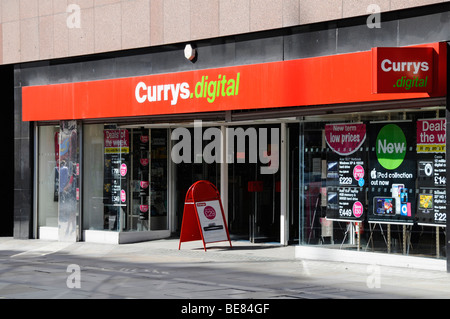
{"x":391,"y":146}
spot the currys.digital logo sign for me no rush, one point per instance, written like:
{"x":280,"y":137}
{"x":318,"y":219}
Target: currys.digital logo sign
{"x":402,"y":70}
{"x":206,"y":88}
{"x":414,"y":67}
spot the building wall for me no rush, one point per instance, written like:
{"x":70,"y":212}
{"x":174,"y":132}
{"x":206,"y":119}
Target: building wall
{"x":32,"y":30}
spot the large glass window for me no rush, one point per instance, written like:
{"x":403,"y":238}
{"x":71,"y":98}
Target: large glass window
{"x":149,"y":196}
{"x":375,"y":181}
{"x":125,"y":178}
{"x":93,"y":181}
{"x":48,"y":177}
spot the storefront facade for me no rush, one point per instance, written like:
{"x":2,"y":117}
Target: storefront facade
{"x":312,"y":135}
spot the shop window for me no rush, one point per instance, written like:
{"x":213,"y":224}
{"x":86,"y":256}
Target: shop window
{"x":375,"y":182}
{"x":125,"y":178}
{"x":48,"y":177}
{"x":149,"y":194}
{"x":57,"y":178}
{"x":93,"y":180}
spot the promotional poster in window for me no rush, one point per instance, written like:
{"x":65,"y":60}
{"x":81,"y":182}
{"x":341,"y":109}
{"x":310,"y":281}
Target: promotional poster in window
{"x":393,"y":172}
{"x":392,"y":165}
{"x":431,"y":172}
{"x":346,"y":173}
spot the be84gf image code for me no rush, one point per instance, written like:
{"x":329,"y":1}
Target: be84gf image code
{"x":230,"y":308}
{"x":237,"y":308}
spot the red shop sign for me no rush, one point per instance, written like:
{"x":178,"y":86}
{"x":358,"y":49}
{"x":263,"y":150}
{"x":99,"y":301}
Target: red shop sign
{"x":327,"y":80}
{"x":402,"y":70}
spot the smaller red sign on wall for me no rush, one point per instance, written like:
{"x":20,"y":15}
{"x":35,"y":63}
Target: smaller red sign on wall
{"x":116,"y":141}
{"x":402,"y":70}
{"x":345,"y":139}
{"x":431,"y":136}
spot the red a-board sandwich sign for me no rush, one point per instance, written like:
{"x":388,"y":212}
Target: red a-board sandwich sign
{"x":203,"y":215}
{"x":402,"y":70}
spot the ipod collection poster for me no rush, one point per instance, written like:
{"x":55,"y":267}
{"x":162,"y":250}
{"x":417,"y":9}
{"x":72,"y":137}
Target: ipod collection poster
{"x":392,"y":172}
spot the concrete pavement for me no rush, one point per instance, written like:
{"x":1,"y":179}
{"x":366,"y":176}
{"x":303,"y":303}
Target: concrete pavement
{"x":37,"y":269}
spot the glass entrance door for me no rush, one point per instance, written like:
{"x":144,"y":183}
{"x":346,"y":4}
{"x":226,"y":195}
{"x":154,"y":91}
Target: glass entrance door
{"x":253,"y":193}
{"x":254,"y":204}
{"x":187,"y":172}
{"x":254,"y":197}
